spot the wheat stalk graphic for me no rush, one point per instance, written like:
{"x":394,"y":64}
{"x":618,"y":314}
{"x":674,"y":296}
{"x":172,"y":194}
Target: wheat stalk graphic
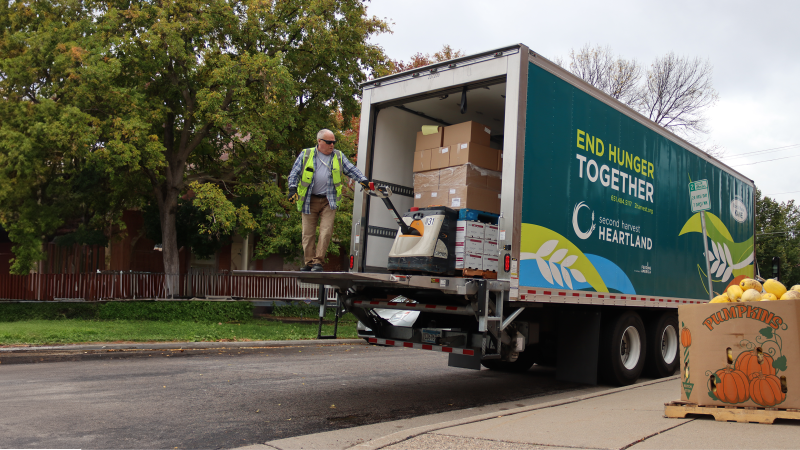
{"x":549,"y":268}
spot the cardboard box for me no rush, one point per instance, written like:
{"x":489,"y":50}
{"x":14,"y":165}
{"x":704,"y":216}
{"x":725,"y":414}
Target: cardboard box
{"x":474,"y":197}
{"x":440,"y":157}
{"x":473,"y":261}
{"x":464,"y":175}
{"x":469,"y":228}
{"x":490,"y":263}
{"x":438,"y":198}
{"x":471,"y":152}
{"x":742,"y":354}
{"x":500,"y":161}
{"x":460,"y":261}
{"x":422,"y":160}
{"x":489,"y":247}
{"x":426,"y":181}
{"x":430,"y":141}
{"x":466,"y":132}
{"x":470,"y":245}
{"x":421,"y":198}
{"x":490,"y":232}
{"x":494,"y":182}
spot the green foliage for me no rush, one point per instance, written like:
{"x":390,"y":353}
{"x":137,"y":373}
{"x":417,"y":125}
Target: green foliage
{"x":111,"y":105}
{"x":44,"y":332}
{"x":310,"y":311}
{"x":159,"y":311}
{"x":13,"y":312}
{"x":778,"y":234}
{"x":223,"y":218}
{"x":177,"y":311}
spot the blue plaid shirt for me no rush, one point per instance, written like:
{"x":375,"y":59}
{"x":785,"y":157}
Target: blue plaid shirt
{"x":347,"y":168}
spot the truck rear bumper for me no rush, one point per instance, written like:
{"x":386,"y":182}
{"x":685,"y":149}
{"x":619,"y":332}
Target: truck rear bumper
{"x":437,"y":348}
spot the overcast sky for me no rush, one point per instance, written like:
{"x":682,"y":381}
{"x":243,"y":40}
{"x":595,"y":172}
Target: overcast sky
{"x":753,"y":46}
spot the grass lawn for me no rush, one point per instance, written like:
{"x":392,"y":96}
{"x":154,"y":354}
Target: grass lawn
{"x":73,"y":331}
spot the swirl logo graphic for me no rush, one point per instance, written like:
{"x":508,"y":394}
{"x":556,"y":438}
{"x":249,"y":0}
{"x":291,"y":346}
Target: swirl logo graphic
{"x":578,"y":232}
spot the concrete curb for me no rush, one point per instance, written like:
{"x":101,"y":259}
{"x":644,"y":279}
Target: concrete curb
{"x":399,"y":436}
{"x":180,"y":345}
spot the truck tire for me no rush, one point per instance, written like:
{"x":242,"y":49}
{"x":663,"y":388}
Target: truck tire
{"x":523,"y":363}
{"x":662,"y":346}
{"x":622,"y":349}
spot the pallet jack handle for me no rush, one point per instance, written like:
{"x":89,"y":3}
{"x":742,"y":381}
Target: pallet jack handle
{"x":383,"y":193}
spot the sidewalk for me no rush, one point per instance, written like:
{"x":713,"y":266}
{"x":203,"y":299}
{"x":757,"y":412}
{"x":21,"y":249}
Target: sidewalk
{"x":630,"y":417}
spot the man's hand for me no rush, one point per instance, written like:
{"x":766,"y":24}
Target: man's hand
{"x":292,"y":196}
{"x":366,"y":185}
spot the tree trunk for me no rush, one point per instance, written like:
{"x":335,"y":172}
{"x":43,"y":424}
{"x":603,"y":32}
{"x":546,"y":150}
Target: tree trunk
{"x":168,"y":208}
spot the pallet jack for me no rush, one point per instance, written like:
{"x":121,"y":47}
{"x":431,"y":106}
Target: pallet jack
{"x":425,"y":241}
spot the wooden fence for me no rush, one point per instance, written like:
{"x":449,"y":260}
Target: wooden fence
{"x":139,"y":285}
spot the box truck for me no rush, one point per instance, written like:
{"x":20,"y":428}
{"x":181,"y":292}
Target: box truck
{"x":605,"y":222}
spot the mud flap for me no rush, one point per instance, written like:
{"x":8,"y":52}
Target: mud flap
{"x":465,"y":361}
{"x":578,"y":346}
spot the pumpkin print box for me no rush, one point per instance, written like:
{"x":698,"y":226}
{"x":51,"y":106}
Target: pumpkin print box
{"x":743,"y":354}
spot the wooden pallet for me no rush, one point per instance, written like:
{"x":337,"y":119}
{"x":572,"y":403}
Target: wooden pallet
{"x":474,"y":273}
{"x":744,"y":414}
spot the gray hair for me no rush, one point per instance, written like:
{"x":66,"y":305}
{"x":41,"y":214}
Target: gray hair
{"x":323,"y":132}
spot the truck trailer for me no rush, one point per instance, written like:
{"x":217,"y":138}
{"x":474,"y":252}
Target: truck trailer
{"x":606,"y":223}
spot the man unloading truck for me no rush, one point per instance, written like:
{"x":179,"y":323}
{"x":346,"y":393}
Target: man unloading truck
{"x":315,"y":184}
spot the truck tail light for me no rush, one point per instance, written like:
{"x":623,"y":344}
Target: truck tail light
{"x":506,"y":263}
{"x":352,"y":262}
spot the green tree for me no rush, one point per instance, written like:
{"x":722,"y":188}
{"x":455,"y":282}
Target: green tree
{"x":778,"y":234}
{"x":152,"y":96}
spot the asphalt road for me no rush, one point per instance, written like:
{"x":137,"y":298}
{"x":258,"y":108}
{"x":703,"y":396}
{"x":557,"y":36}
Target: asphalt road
{"x":225,"y":399}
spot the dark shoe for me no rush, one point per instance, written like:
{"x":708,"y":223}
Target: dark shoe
{"x":317,"y":268}
{"x":305,"y":269}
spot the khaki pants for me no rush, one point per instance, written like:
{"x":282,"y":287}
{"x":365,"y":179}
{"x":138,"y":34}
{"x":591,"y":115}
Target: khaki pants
{"x":322,"y":214}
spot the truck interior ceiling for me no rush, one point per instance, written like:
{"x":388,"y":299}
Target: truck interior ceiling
{"x":395,"y":137}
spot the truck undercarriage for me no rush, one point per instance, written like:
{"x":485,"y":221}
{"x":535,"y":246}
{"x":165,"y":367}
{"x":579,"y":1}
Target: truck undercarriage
{"x":475,"y":323}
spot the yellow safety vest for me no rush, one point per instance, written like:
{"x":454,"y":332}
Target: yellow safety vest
{"x":308,"y":176}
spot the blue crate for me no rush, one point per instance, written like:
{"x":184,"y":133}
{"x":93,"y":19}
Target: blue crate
{"x":480,"y":216}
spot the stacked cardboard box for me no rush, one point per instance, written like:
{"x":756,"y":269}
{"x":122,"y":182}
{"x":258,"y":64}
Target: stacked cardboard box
{"x":455,"y":167}
{"x":476,"y":246}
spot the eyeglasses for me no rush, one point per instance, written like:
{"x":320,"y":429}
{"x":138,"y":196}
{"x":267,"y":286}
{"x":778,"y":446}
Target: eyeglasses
{"x":328,"y":142}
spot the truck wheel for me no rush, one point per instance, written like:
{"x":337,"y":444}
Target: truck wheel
{"x":662,"y":346}
{"x":622,"y":349}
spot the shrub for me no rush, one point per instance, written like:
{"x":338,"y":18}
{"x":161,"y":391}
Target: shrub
{"x":14,"y":312}
{"x":196,"y":311}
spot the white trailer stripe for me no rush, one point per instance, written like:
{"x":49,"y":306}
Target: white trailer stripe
{"x":438,"y":348}
{"x":581,"y":297}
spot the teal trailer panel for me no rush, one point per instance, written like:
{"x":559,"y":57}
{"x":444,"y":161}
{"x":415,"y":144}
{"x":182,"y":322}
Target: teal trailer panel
{"x":606,"y":203}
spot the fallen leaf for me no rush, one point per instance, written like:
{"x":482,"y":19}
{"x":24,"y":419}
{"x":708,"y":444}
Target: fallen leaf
{"x":333,"y":406}
{"x":258,"y":410}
